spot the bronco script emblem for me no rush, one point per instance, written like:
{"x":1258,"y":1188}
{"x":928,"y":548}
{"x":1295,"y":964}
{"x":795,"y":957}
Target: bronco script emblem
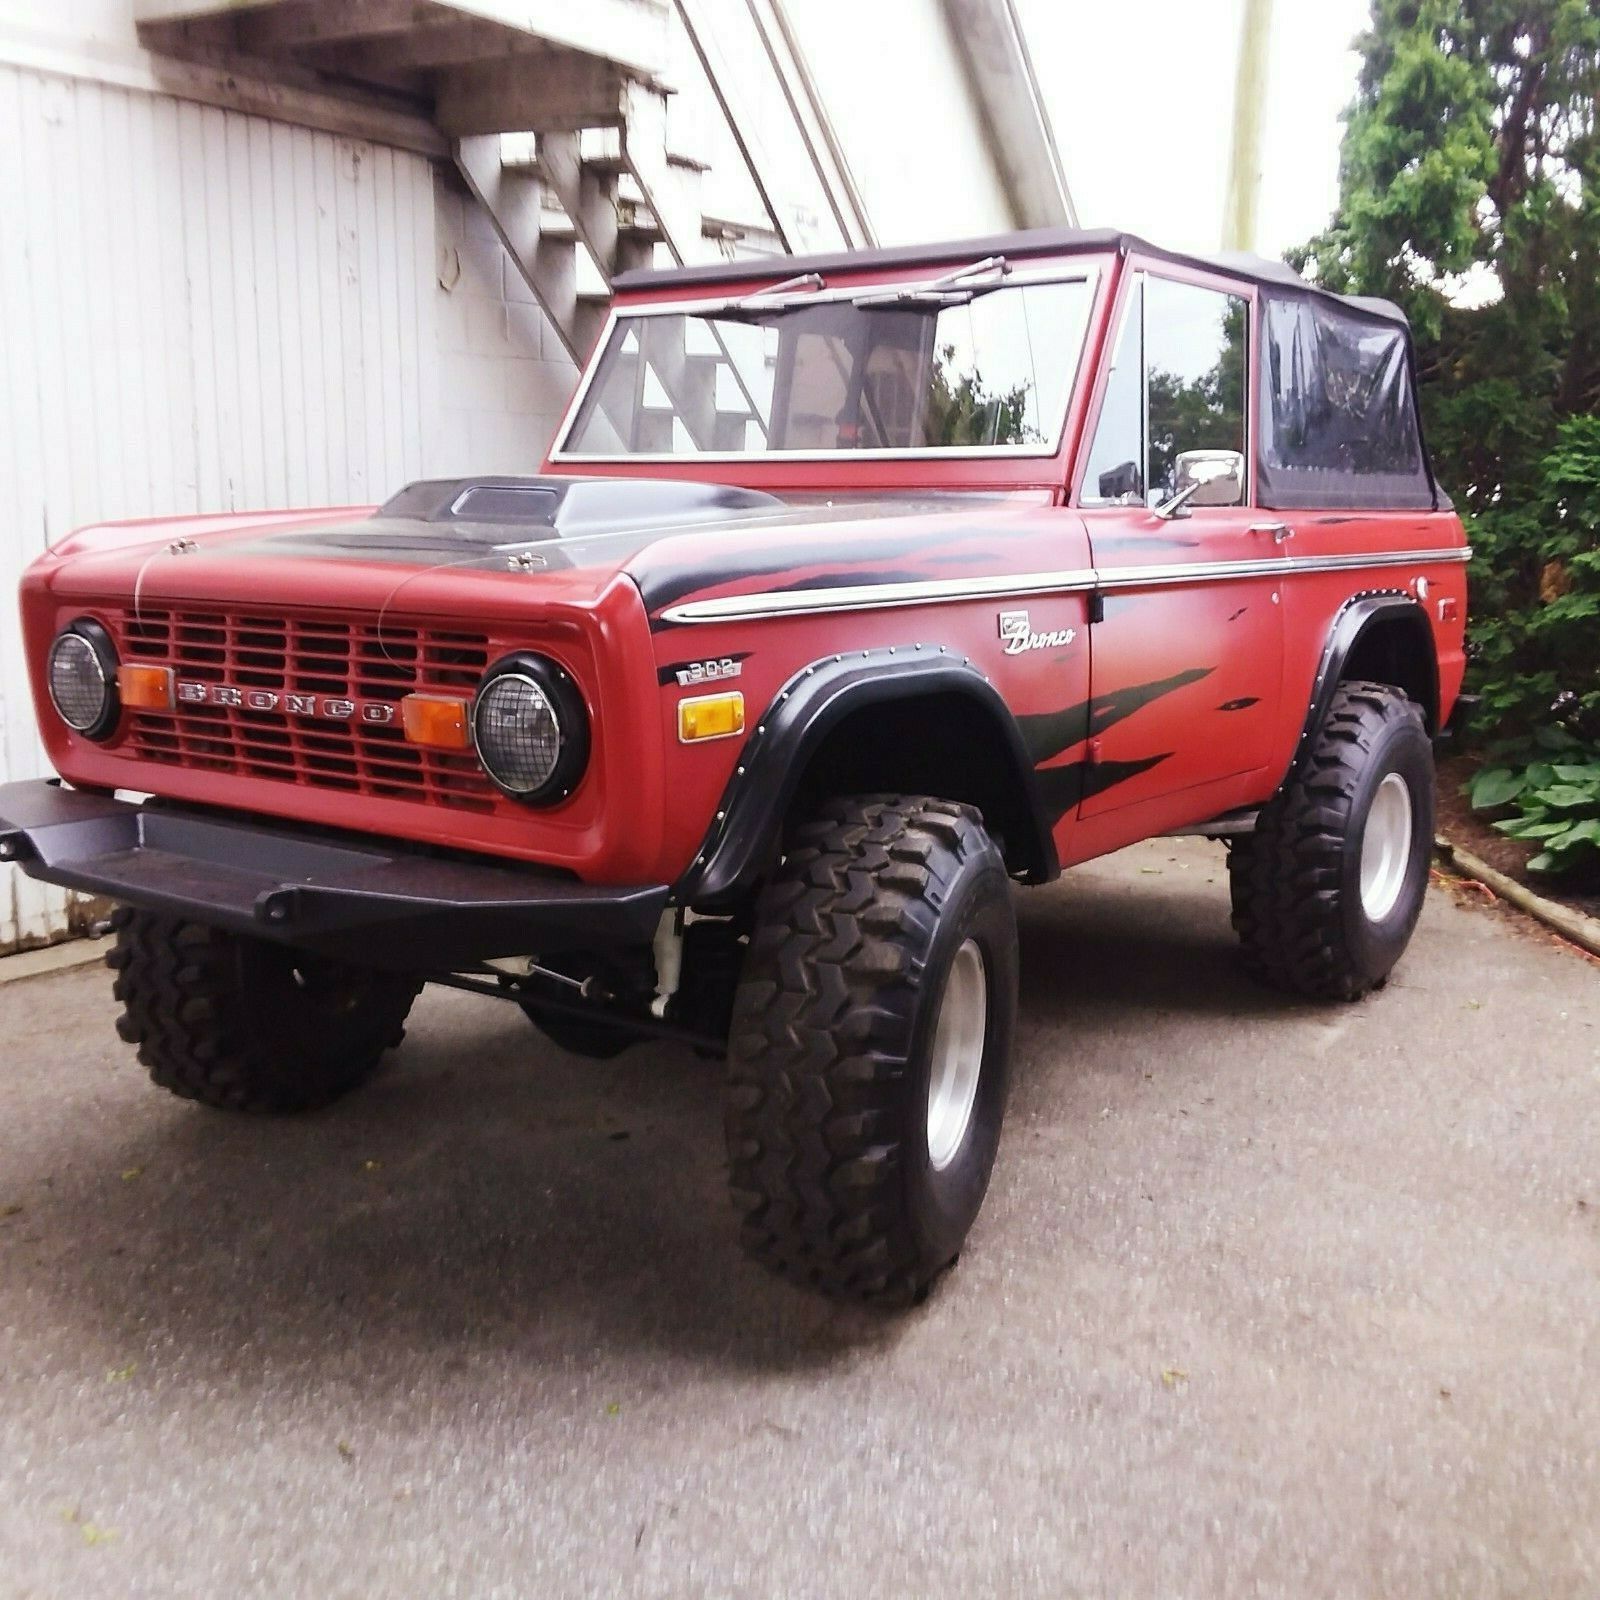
{"x":329,"y":708}
{"x":1018,"y":634}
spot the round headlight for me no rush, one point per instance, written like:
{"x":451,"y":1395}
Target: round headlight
{"x":83,"y":671}
{"x":529,"y":726}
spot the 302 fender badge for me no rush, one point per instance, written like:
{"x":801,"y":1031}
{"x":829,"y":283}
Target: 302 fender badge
{"x":1018,"y":634}
{"x":692,"y":672}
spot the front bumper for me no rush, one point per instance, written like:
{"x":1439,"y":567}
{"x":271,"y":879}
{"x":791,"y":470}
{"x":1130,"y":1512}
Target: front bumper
{"x":379,"y":904}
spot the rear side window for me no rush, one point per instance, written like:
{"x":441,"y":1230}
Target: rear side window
{"x":1338,"y":410}
{"x":1178,"y":382}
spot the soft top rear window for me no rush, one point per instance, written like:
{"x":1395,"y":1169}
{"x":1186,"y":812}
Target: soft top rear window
{"x":1338,"y":414}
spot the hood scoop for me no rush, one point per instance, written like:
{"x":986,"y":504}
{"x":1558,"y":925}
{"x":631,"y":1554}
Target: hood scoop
{"x":489,"y":519}
{"x":532,"y":508}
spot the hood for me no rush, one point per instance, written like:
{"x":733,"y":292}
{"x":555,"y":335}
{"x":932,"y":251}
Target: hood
{"x":552,"y":538}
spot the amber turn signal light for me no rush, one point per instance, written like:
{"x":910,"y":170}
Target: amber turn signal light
{"x":710,"y":716}
{"x":436,"y":720}
{"x":147,"y":688}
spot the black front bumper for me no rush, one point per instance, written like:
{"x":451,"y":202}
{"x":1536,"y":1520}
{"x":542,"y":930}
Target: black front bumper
{"x":378,"y":903}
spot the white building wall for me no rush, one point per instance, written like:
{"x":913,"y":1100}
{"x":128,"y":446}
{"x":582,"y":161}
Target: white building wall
{"x":202,"y":310}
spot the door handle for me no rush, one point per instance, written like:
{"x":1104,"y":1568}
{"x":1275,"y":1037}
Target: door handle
{"x":1281,"y":531}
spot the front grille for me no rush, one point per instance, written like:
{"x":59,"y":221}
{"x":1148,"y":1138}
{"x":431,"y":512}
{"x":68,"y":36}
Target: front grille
{"x":309,"y":656}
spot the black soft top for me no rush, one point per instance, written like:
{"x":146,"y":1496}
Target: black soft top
{"x":1037,"y":241}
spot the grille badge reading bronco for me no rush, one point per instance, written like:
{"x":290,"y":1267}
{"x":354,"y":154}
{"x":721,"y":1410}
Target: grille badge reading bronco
{"x":328,"y":708}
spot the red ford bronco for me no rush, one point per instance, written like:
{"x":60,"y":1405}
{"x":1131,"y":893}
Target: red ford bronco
{"x":854,"y":590}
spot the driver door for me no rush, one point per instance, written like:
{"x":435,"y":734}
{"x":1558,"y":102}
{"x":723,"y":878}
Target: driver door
{"x":1186,"y":652}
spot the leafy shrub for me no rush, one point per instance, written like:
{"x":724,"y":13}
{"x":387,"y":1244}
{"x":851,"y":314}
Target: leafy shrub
{"x":1535,"y":595}
{"x":1557,"y":803}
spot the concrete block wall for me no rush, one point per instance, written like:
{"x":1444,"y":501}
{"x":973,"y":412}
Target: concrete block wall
{"x":503,"y":378}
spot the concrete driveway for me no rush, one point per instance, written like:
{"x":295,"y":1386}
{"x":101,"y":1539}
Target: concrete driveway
{"x":1267,"y":1299}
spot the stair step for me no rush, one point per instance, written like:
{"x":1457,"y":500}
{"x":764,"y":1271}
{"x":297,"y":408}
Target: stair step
{"x":554,"y":223}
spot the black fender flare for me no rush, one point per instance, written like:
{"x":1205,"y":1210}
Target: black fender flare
{"x":755,"y":803}
{"x":1353,"y":620}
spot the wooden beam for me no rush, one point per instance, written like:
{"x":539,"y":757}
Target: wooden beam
{"x":551,"y":94}
{"x":293,"y":25}
{"x":449,"y":41}
{"x":234,"y":86}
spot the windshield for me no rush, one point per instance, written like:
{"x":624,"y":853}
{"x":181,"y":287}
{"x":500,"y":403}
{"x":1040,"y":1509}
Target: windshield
{"x":987,"y":368}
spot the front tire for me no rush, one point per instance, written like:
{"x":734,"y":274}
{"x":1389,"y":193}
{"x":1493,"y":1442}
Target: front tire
{"x":1327,"y":891}
{"x":870,"y":1050}
{"x":247,"y":1025}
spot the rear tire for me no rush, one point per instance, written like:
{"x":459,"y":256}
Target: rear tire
{"x":1327,"y":891}
{"x":870,"y":1049}
{"x":246,"y":1025}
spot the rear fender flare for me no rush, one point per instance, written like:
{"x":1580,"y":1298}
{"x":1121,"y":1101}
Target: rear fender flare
{"x":1355,"y":619}
{"x":794,"y":728}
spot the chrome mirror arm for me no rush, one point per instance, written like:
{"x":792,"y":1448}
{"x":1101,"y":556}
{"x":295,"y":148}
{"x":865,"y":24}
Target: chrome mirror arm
{"x":1178,"y":505}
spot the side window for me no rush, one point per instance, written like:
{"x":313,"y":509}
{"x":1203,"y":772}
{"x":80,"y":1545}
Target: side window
{"x":1177,"y":383}
{"x":1115,"y":472}
{"x":1196,"y":360}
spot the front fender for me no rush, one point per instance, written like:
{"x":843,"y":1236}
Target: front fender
{"x":793,"y":729}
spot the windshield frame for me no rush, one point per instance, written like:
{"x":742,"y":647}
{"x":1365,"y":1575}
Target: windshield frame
{"x":1086,"y":273}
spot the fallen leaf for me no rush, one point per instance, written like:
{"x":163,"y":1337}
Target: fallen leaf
{"x":11,"y":1211}
{"x":122,"y":1374}
{"x":345,"y":1450}
{"x":130,"y":1173}
{"x":370,"y":1165}
{"x":93,"y":1535}
{"x":1474,"y":1005}
{"x":1173,"y":1376}
{"x":613,"y":1410}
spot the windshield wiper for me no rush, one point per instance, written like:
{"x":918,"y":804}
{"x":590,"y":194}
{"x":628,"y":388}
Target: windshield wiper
{"x":793,"y":294}
{"x":953,"y":289}
{"x":765,"y":301}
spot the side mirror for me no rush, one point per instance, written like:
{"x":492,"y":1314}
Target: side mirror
{"x":1204,"y":478}
{"x":1217,"y":476}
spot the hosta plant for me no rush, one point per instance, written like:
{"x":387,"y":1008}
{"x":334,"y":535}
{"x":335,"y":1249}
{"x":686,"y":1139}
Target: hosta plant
{"x":1555,"y":801}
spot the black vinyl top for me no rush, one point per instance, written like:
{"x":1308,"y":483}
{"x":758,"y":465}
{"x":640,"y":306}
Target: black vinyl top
{"x":1038,"y":241}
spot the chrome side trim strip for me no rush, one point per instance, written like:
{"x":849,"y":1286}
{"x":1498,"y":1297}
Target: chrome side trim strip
{"x":944,"y":591}
{"x":876,"y":596}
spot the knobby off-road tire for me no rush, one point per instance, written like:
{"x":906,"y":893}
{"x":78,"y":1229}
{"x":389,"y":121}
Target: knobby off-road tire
{"x":1328,"y":889}
{"x":245,"y":1025}
{"x":870,"y":1047}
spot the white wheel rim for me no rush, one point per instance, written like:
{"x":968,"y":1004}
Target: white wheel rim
{"x":957,"y":1062}
{"x":1386,"y":847}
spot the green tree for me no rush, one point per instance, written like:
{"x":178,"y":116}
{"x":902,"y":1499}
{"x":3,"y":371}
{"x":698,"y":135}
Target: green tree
{"x":1470,"y":194}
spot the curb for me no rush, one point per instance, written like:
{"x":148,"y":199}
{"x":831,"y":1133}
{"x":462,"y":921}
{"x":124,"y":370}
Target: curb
{"x":1571,"y":925}
{"x":61,"y":957}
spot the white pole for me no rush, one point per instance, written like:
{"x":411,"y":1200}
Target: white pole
{"x":1249,"y":96}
